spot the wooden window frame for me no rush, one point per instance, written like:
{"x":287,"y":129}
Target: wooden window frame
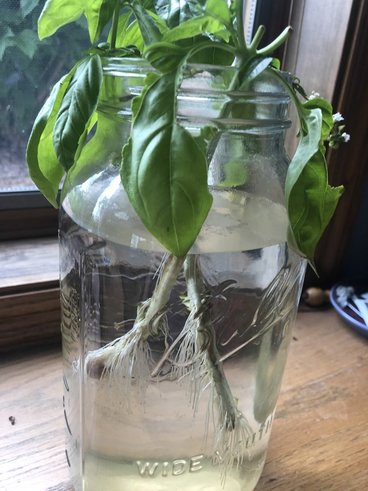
{"x":25,"y":215}
{"x":348,"y":166}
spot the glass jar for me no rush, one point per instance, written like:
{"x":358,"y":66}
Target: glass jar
{"x":190,"y":406}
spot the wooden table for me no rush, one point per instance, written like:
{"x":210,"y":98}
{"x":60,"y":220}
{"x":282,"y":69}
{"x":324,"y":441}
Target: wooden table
{"x":320,"y":434}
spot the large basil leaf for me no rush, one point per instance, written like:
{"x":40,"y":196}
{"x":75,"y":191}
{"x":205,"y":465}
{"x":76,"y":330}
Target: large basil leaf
{"x":327,"y":114}
{"x":130,"y":32}
{"x":58,"y":13}
{"x":77,"y":107}
{"x":147,"y":24}
{"x":220,"y":10}
{"x":175,"y":12}
{"x":98,"y":14}
{"x":102,"y":149}
{"x":194,"y":27}
{"x":43,"y":165}
{"x":164,"y":56}
{"x":164,"y":171}
{"x":131,"y":35}
{"x":310,"y":200}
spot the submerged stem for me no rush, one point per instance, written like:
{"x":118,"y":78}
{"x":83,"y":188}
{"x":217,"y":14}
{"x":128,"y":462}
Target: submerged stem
{"x":199,"y":361}
{"x":164,"y":286}
{"x":206,"y":340}
{"x":122,"y":354}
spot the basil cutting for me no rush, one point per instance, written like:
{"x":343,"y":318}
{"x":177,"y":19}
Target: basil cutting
{"x":163,"y":160}
{"x":164,"y":167}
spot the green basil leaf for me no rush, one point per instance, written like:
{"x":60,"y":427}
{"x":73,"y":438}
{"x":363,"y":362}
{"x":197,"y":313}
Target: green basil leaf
{"x":43,"y":165}
{"x":102,"y":149}
{"x":98,"y":14}
{"x":123,"y":23}
{"x":164,"y":171}
{"x":27,"y":6}
{"x":164,"y":56}
{"x":27,"y":42}
{"x":129,"y":32}
{"x":151,"y":78}
{"x":276,"y":63}
{"x":58,"y":13}
{"x":175,"y":12}
{"x":235,"y":174}
{"x":310,"y":200}
{"x":132,"y":36}
{"x":78,"y":105}
{"x":327,"y":114}
{"x":147,"y":24}
{"x":308,"y":146}
{"x":7,"y":39}
{"x":194,"y":27}
{"x":216,"y":54}
{"x":219,"y":10}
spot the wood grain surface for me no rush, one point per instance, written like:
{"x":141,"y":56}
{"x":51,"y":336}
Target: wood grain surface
{"x":31,"y":261}
{"x":320,"y":434}
{"x":29,"y":294}
{"x":28,"y":319}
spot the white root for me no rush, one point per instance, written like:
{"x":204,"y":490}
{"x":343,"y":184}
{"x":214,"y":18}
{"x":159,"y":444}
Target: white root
{"x":127,"y":360}
{"x":198,"y":363}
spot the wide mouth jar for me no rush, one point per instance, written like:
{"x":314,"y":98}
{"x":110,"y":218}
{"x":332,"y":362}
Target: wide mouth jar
{"x":173,"y":364}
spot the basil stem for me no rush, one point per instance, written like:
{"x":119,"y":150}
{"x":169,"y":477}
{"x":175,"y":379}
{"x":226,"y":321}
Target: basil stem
{"x":115,"y":23}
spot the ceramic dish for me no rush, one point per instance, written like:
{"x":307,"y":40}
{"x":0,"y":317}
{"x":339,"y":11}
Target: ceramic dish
{"x":342,"y":297}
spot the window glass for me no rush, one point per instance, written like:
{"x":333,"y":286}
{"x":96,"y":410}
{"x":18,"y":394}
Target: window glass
{"x":28,"y":70}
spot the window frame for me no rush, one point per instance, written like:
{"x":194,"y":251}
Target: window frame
{"x":348,"y":166}
{"x":26,"y":214}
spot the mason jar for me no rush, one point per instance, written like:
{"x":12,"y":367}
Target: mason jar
{"x":190,"y":407}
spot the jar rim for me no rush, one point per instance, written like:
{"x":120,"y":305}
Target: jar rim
{"x":205,"y":86}
{"x":138,"y":65}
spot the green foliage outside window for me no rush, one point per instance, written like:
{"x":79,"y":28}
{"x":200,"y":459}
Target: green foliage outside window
{"x":29,"y":67}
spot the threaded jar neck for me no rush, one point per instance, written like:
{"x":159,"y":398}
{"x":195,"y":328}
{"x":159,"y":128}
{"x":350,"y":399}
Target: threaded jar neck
{"x":206,"y":96}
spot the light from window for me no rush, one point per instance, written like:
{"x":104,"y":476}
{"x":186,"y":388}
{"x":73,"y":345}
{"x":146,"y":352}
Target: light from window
{"x":28,"y":70}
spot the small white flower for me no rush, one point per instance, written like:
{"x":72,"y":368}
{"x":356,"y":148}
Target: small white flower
{"x":337,"y":117}
{"x":345,"y":137}
{"x":313,"y":95}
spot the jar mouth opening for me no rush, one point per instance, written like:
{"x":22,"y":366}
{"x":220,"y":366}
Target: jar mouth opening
{"x":204,"y":89}
{"x":121,"y":67}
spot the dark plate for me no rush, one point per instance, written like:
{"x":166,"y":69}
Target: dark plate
{"x":349,"y":316}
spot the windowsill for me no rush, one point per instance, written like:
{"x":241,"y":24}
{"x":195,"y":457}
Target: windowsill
{"x":319,"y":438}
{"x":29,"y":294}
{"x":28,"y":262}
